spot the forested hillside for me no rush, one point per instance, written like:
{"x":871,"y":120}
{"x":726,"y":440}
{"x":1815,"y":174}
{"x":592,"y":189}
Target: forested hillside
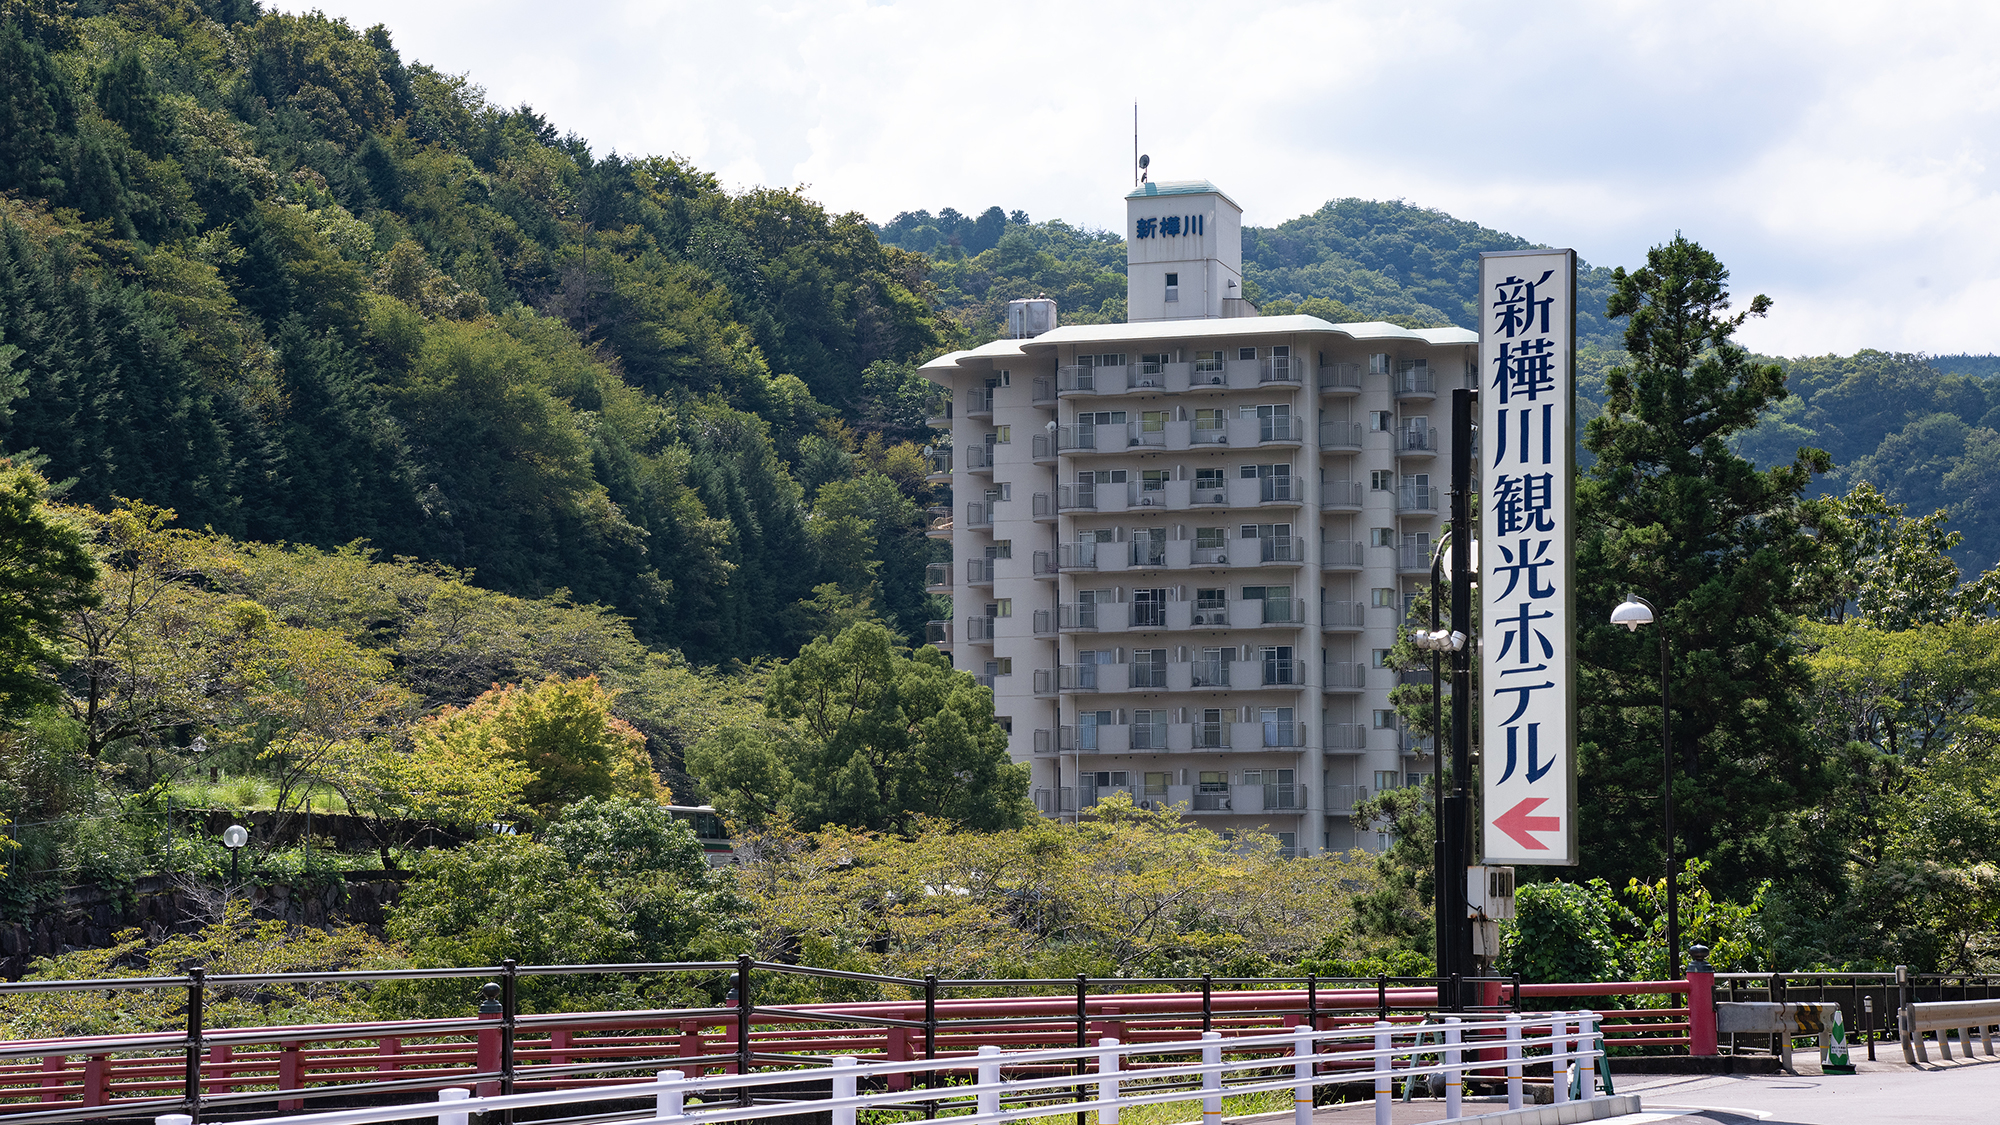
{"x":261,"y":269}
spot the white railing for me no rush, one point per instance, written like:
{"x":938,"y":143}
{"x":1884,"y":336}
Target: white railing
{"x":1010,"y":1086}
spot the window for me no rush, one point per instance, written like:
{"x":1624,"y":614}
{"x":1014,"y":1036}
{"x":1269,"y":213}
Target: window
{"x":1381,"y":421}
{"x":1288,"y":842}
{"x":1381,"y":536}
{"x":1205,"y":419}
{"x":1381,"y":660}
{"x":1006,"y":722}
{"x":1385,"y":780}
{"x":1006,"y":378}
{"x":1213,"y":781}
{"x":1100,"y":418}
{"x":1246,"y":353}
{"x":1173,"y":287}
{"x":1281,"y":352}
{"x":1004,"y":607}
{"x":1151,"y":364}
{"x":1208,"y":478}
{"x":1210,"y":537}
{"x":1006,"y":666}
{"x":1154,"y":480}
{"x":1382,"y":597}
{"x":1211,"y":599}
{"x":1149,"y":668}
{"x":1385,"y":720}
{"x":1382,"y":480}
{"x":1156,"y":785}
{"x":1003,"y":434}
{"x":1110,"y":359}
{"x":1001,"y":549}
{"x":1416,"y":778}
{"x":1208,"y":361}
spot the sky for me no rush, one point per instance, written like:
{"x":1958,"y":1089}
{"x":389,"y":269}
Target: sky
{"x":1836,"y":156}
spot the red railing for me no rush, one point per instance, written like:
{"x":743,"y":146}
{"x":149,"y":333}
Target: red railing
{"x":125,"y":1075}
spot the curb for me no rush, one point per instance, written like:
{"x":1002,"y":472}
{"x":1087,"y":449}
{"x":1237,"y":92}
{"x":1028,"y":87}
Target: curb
{"x":1596,"y":1109}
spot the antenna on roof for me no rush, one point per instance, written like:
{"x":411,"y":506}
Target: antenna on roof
{"x":1135,"y":145}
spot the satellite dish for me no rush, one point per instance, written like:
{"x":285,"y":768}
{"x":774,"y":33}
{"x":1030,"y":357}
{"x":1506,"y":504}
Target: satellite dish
{"x":1145,"y":161}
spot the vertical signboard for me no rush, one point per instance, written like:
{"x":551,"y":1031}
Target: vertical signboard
{"x":1527,"y":538}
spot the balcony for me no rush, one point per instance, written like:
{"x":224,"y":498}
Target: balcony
{"x":1340,"y":616}
{"x":979,"y":459}
{"x":1282,"y":611}
{"x":940,"y":528}
{"x":1341,"y":799}
{"x":1076,"y":497}
{"x":1046,"y":565}
{"x":1210,"y":736}
{"x":1210,"y":674}
{"x":1145,"y":435}
{"x":1413,"y":380}
{"x":1147,"y":615}
{"x":1044,"y":622}
{"x":1079,"y":616}
{"x":979,"y":403}
{"x":983,"y":680}
{"x":1279,"y":490}
{"x":1339,"y":378}
{"x":1284,"y":735}
{"x":1417,"y":443}
{"x":1150,"y":736}
{"x":937,"y":633}
{"x":1199,"y":496}
{"x":1208,"y":433}
{"x":1043,"y":449}
{"x":1147,"y":376}
{"x":1340,"y":496}
{"x":937,"y":413}
{"x":1043,"y":391}
{"x":1043,"y":507}
{"x":1281,"y":429}
{"x":1078,"y":556}
{"x":1212,"y":801}
{"x":937,"y":466}
{"x":979,"y":572}
{"x":1417,"y":498}
{"x":1340,"y":437}
{"x":1345,"y":676}
{"x":937,"y":578}
{"x":1340,"y":554}
{"x":979,"y":516}
{"x":1207,"y":375}
{"x":1045,"y":681}
{"x":1282,"y":550}
{"x":1285,"y":798}
{"x":1412,"y":559}
{"x":1147,"y":676}
{"x":1281,"y":673}
{"x":1146,"y":494}
{"x":1346,"y":738}
{"x":1280,"y":369}
{"x":1080,"y":380}
{"x":979,"y":628}
{"x":1147,"y":554}
{"x":1085,"y":439}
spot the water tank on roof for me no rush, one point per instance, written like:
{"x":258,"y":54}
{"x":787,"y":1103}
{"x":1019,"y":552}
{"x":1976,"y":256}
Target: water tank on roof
{"x":1030,"y":316}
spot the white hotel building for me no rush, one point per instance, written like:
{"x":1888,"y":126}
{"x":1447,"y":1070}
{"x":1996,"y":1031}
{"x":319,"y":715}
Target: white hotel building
{"x":1183,"y":545}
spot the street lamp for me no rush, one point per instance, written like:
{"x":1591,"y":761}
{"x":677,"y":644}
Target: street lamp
{"x":1438,"y":641}
{"x":233,"y":838}
{"x":1633,"y":612}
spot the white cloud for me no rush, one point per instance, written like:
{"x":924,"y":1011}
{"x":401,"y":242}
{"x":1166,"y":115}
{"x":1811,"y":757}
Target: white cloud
{"x":1832,"y":155}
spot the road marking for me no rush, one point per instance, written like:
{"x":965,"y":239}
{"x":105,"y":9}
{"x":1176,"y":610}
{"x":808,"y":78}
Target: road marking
{"x":1683,"y":1110}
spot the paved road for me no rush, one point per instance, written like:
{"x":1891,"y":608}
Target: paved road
{"x":1883,"y":1093}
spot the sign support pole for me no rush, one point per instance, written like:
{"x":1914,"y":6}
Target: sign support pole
{"x":1457,"y":827}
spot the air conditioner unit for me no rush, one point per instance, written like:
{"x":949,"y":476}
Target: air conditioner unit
{"x":1222,"y":560}
{"x":1222,"y":439}
{"x":1215,"y":380}
{"x":1147,"y":501}
{"x":1222,"y":804}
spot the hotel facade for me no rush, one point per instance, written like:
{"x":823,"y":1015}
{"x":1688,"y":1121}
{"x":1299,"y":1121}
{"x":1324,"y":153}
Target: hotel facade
{"x":1182,"y":546}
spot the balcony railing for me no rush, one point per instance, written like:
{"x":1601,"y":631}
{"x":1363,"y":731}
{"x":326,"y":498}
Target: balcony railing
{"x":1277,"y":490}
{"x":1077,"y":677}
{"x":1045,"y":681}
{"x":1046,"y":565}
{"x":1280,"y":798}
{"x":1340,"y":436}
{"x":979,"y":628}
{"x":1076,"y":497}
{"x":1343,"y":798}
{"x":1146,"y":494}
{"x":1209,"y":433}
{"x":1414,"y":498}
{"x":1340,"y":554}
{"x":1281,"y":549}
{"x":937,"y":632}
{"x":938,"y":462}
{"x":1278,"y":734}
{"x":1280,"y":369}
{"x":979,"y":572}
{"x":1077,"y":615}
{"x":1043,"y":392}
{"x":978,"y":402}
{"x":1212,"y":802}
{"x":1042,"y":506}
{"x":1417,"y":441}
{"x":1149,"y":615}
{"x":1074,"y":437}
{"x":983,"y":680}
{"x":1286,"y":428}
{"x":1219,"y":556}
{"x":1339,"y":376}
{"x":1414,"y":380}
{"x":1413,"y":560}
{"x":1044,"y":622}
{"x":1284,"y":611}
{"x":1045,"y":741}
{"x":1345,"y":675}
{"x":1148,"y":674}
{"x":1211,"y":736}
{"x":1145,"y":435}
{"x":1199,"y":495}
{"x":979,"y":515}
{"x":1089,"y":380}
{"x":937,"y":574}
{"x":1346,"y":737}
{"x":1149,"y":736}
{"x":1281,"y":673}
{"x":937,"y":412}
{"x":1210,"y":673}
{"x":979,"y":458}
{"x":1340,"y":614}
{"x":1078,"y":556}
{"x":1044,"y":447}
{"x":1148,"y":552}
{"x":1339,"y":494}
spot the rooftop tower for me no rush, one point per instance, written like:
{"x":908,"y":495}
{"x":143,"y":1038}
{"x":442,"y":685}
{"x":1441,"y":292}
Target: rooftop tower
{"x":1183,"y":253}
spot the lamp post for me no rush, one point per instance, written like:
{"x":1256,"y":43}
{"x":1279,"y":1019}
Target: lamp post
{"x":1633,"y":612}
{"x":233,"y":838}
{"x":1439,"y":641}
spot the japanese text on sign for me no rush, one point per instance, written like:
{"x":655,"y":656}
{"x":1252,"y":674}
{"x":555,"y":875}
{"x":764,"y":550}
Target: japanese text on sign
{"x":1527,"y":339}
{"x":1172,"y":226}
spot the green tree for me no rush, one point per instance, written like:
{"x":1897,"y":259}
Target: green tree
{"x":46,"y":575}
{"x":878,"y":739}
{"x":1670,"y":512}
{"x":563,"y":732}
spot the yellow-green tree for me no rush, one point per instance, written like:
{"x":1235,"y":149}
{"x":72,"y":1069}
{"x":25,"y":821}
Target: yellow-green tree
{"x":562,"y":731}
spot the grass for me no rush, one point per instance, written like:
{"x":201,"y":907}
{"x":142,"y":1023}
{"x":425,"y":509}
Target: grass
{"x":245,"y":793}
{"x":1157,"y":1113}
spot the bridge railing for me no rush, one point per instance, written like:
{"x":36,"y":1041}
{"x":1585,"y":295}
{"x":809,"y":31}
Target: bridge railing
{"x":990,"y":1085}
{"x":505,"y":1049}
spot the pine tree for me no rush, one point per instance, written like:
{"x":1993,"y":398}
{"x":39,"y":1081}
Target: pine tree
{"x":1671,"y":513}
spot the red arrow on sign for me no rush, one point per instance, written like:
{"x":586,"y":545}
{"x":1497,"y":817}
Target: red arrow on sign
{"x":1517,"y":823}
